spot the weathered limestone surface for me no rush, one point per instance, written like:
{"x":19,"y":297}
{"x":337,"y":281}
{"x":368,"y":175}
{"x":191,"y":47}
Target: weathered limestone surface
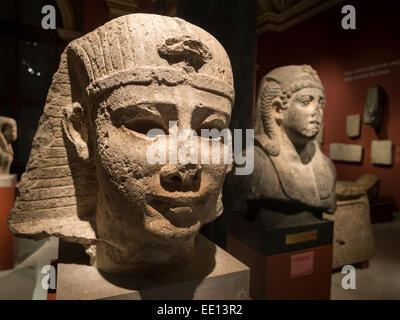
{"x":353,"y":237}
{"x":289,"y":166}
{"x":8,"y":134}
{"x":371,"y":185}
{"x":346,"y":190}
{"x":345,"y":152}
{"x":353,"y":125}
{"x":382,"y":152}
{"x":88,"y":179}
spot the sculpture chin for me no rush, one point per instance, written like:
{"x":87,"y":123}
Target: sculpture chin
{"x":165,"y":246}
{"x":312,"y":129}
{"x":311,"y":133}
{"x":173,"y":223}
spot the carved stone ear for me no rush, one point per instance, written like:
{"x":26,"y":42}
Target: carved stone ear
{"x":278,"y":108}
{"x":75,"y":126}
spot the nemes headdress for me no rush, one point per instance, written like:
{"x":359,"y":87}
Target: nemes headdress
{"x":57,"y":196}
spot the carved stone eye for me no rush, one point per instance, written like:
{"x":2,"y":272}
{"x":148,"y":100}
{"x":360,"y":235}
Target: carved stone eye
{"x":213,"y":121}
{"x":322,"y":102}
{"x":143,"y":126}
{"x":217,"y":124}
{"x":305,"y":100}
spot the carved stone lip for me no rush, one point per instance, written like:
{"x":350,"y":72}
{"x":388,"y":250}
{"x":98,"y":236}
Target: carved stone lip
{"x":178,"y":199}
{"x":178,"y":214}
{"x":186,"y":221}
{"x":181,"y":209}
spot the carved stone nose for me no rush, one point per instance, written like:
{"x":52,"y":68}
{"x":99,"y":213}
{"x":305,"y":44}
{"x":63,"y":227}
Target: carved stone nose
{"x":175,"y":177}
{"x":317,"y":112}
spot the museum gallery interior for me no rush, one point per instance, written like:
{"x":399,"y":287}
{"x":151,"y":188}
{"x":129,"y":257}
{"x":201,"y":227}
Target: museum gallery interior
{"x":199,"y":150}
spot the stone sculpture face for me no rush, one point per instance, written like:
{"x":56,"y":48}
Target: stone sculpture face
{"x":170,"y":200}
{"x":161,"y":205}
{"x":290,"y":106}
{"x":132,"y":216}
{"x":8,"y":134}
{"x":303,"y":117}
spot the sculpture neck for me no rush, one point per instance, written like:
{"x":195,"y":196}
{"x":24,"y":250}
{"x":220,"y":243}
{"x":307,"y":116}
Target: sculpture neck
{"x":305,"y":147}
{"x":305,"y":151}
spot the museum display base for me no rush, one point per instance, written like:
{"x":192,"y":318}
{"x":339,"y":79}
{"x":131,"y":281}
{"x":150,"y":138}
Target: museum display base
{"x":212,"y":274}
{"x":7,"y":196}
{"x":287,"y":261}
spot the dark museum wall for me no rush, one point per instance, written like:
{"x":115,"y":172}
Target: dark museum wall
{"x":96,"y":12}
{"x":332,"y":51}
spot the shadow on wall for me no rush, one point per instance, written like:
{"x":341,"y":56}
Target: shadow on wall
{"x":382,"y":132}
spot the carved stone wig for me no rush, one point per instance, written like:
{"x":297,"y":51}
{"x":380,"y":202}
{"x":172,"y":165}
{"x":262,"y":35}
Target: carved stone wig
{"x":87,"y":180}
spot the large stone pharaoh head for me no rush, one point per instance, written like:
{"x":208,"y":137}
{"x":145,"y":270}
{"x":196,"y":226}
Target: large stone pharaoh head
{"x":88,"y":179}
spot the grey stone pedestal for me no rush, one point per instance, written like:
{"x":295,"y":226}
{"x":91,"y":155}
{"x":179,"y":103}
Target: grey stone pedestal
{"x":211,"y":274}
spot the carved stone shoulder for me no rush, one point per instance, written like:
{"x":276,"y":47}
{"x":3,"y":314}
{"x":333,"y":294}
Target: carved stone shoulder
{"x":263,"y":183}
{"x":331,"y":200}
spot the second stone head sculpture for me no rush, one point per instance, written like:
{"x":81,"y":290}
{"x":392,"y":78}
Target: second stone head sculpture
{"x":8,"y":134}
{"x":289,"y":167}
{"x":88,"y":180}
